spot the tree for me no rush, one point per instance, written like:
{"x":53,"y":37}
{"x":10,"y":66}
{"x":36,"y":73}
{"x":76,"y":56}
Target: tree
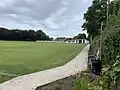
{"x":22,"y":35}
{"x":97,"y":13}
{"x":40,"y":35}
{"x":111,"y":39}
{"x":80,"y":36}
{"x":31,"y":35}
{"x":94,"y":16}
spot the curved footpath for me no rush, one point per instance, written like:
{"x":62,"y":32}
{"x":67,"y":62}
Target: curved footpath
{"x":32,"y":81}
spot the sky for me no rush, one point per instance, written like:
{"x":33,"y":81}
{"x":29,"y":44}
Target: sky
{"x":54,"y":17}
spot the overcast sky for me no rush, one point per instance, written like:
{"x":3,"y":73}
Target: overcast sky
{"x":54,"y":17}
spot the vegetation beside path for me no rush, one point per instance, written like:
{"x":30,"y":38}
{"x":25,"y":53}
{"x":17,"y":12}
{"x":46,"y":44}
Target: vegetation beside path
{"x":105,"y":27}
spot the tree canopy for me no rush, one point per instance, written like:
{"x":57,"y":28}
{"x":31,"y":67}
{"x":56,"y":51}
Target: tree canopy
{"x":110,"y":38}
{"x":97,"y":13}
{"x":94,"y":16}
{"x":80,"y":36}
{"x":22,"y":35}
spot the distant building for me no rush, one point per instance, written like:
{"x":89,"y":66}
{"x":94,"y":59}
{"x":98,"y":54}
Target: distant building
{"x":60,"y":39}
{"x":82,"y":41}
{"x":70,"y":40}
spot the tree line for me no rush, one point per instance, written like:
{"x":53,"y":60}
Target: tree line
{"x":105,"y":15}
{"x":80,"y":36}
{"x":97,"y":14}
{"x":22,"y":35}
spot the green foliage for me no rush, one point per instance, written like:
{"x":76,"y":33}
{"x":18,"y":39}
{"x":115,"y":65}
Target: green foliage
{"x":94,"y":16}
{"x":111,"y":46}
{"x":97,"y":13}
{"x":115,"y":6}
{"x":111,"y":41}
{"x":22,"y":35}
{"x":112,"y":72}
{"x":80,"y":36}
{"x":58,"y":87}
{"x":110,"y":78}
{"x":111,"y":51}
{"x":81,"y":84}
{"x":99,"y":84}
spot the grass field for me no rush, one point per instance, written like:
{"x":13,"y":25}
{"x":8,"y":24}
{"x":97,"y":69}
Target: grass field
{"x":19,"y":58}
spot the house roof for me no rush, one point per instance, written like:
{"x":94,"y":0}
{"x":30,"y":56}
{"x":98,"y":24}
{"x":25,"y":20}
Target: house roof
{"x":60,"y":39}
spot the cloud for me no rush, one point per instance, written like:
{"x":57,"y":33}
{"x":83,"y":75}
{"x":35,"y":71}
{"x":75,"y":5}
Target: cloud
{"x":55,"y":17}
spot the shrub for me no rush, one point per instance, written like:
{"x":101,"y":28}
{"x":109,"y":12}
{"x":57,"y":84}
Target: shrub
{"x":111,"y":46}
{"x":81,"y":84}
{"x":111,"y":40}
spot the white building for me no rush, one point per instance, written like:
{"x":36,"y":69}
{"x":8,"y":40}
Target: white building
{"x":60,"y":39}
{"x":82,"y":41}
{"x":71,"y":40}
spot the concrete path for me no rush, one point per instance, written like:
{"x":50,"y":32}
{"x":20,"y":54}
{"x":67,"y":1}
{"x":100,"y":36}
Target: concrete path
{"x":32,"y":81}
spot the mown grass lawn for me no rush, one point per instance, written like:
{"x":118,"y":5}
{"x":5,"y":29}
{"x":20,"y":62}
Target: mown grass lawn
{"x":27,"y":57}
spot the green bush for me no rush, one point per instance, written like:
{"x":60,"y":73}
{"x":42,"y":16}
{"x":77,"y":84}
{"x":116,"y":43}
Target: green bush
{"x":81,"y":84}
{"x":111,"y":41}
{"x":111,"y":46}
{"x":58,"y":87}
